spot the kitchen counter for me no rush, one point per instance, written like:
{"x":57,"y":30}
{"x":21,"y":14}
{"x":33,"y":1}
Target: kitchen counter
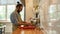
{"x":27,"y":31}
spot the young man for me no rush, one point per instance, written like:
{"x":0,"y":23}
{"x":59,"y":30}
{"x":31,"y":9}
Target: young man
{"x":15,"y":17}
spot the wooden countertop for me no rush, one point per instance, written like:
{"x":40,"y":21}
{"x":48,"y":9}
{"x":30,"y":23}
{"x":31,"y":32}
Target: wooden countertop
{"x":27,"y":31}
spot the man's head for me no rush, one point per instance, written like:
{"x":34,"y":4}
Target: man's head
{"x":19,"y":7}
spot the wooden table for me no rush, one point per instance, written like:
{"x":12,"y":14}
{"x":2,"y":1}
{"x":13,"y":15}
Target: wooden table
{"x":27,"y":31}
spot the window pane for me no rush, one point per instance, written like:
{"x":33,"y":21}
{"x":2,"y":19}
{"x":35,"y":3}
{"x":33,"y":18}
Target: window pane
{"x":8,"y":2}
{"x":53,"y":12}
{"x":3,"y":1}
{"x":11,"y":1}
{"x":10,"y":9}
{"x":2,"y":12}
{"x":52,"y":9}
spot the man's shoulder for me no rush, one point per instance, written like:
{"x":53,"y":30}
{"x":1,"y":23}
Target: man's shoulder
{"x":13,"y":12}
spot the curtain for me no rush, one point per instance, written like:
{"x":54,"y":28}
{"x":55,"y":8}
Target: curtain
{"x":50,"y":16}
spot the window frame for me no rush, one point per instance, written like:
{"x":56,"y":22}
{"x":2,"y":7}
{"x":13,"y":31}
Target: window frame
{"x":6,"y":19}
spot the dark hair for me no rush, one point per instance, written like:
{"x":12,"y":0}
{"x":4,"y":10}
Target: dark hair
{"x":18,"y":5}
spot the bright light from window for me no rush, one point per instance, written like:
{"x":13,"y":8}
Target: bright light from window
{"x":5,"y":12}
{"x":2,"y":13}
{"x":10,"y":9}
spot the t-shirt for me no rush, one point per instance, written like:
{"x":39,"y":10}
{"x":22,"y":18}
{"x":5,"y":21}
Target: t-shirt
{"x":15,"y":18}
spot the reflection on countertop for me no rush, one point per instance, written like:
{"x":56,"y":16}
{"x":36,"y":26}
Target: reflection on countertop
{"x":27,"y":31}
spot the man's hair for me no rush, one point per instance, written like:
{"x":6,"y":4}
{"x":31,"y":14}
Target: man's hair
{"x":18,"y":5}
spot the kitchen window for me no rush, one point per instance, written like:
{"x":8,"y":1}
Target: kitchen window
{"x":5,"y":11}
{"x":6,"y":8}
{"x":54,"y":12}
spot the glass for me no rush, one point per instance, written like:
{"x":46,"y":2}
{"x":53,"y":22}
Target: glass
{"x":52,"y":9}
{"x":3,"y":1}
{"x":11,"y":1}
{"x":2,"y":12}
{"x":10,"y":9}
{"x":53,"y":12}
{"x":55,"y":20}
